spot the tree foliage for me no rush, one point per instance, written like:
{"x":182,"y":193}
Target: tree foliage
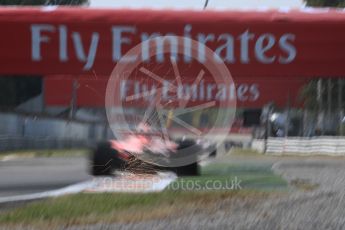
{"x":326,"y":3}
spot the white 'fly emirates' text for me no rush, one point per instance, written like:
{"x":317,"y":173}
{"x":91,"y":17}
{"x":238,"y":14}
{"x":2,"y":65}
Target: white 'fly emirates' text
{"x":229,"y":48}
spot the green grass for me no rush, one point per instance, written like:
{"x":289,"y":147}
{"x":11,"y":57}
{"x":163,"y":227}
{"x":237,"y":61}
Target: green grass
{"x":84,"y":209}
{"x":257,"y":182}
{"x":224,"y":175}
{"x":245,"y":152}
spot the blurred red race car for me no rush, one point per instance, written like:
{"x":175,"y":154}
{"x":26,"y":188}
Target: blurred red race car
{"x":130,"y":153}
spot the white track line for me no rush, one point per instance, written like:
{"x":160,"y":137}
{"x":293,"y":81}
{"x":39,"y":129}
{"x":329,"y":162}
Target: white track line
{"x":72,"y":189}
{"x":103,"y":184}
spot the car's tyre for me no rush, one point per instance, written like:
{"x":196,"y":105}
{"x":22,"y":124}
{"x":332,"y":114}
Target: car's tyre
{"x":103,"y":160}
{"x":188,"y":147}
{"x":213,"y":154}
{"x":187,"y":170}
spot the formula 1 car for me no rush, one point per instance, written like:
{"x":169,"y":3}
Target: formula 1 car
{"x":128,"y":153}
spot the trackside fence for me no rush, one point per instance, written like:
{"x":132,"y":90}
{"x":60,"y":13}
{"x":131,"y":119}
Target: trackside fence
{"x":322,"y":145}
{"x":12,"y":143}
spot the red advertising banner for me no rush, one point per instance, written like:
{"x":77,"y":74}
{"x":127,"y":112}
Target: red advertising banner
{"x":251,"y":44}
{"x":249,"y":92}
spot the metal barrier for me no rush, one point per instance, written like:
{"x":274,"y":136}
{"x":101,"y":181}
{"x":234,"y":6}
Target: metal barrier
{"x":37,"y":143}
{"x":322,"y":145}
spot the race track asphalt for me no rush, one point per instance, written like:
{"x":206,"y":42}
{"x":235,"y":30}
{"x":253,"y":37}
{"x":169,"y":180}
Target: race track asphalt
{"x":34,"y":175}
